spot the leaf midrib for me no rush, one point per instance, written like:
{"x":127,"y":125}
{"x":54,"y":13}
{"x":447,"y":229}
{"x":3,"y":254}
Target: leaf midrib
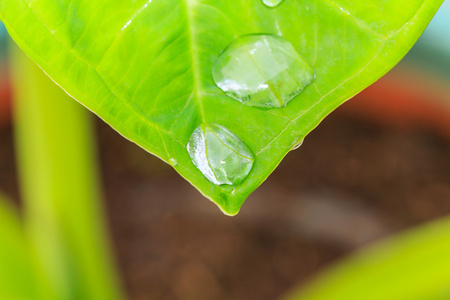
{"x":189,"y":5}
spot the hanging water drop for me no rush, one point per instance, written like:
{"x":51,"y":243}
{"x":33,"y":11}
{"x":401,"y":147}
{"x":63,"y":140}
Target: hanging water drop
{"x":220,"y":155}
{"x":262,"y":70}
{"x":272,"y":3}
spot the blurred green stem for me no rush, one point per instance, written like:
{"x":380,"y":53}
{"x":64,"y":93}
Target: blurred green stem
{"x":60,"y":186}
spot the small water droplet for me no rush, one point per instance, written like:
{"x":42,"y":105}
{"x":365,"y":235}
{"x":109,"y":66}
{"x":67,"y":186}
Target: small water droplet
{"x":220,"y":155}
{"x":173,"y":161}
{"x":262,"y":70}
{"x":297,"y":145}
{"x":272,"y":3}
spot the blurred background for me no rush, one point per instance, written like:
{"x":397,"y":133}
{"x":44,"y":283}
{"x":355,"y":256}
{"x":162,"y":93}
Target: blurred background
{"x":376,"y":166}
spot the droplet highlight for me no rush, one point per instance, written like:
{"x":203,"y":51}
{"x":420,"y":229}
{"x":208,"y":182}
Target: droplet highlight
{"x":272,"y":3}
{"x":262,"y":70}
{"x":220,"y":155}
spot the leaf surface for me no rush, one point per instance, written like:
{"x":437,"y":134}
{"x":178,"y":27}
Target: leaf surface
{"x":145,"y":66}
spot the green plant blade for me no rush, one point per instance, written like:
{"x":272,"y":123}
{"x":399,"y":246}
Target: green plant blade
{"x":63,"y":213}
{"x":145,"y":66}
{"x":412,"y":266}
{"x":18,"y":276}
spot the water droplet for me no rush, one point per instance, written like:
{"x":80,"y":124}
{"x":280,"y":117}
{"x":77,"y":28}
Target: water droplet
{"x":297,"y":145}
{"x":173,"y":161}
{"x":262,"y":70}
{"x":272,"y":3}
{"x":220,"y":155}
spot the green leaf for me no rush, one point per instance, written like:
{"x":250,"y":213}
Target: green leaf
{"x":412,"y":266}
{"x":145,"y":66}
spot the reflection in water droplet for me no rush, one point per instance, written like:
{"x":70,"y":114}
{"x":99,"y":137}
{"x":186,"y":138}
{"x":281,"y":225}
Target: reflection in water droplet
{"x":262,"y":70}
{"x":220,"y":155}
{"x":272,"y":3}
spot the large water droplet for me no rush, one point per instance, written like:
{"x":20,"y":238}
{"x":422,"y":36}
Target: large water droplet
{"x":272,"y":3}
{"x":220,"y":155}
{"x":262,"y":70}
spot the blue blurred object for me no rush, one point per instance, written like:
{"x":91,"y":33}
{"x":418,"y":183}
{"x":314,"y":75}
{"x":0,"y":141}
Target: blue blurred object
{"x":3,"y":36}
{"x":437,"y":35}
{"x":2,"y":31}
{"x":432,"y":51}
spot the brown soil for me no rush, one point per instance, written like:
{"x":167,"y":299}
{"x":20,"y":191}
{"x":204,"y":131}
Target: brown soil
{"x":352,"y":182}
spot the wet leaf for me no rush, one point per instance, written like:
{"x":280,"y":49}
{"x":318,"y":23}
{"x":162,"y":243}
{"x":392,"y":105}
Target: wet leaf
{"x":145,"y":66}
